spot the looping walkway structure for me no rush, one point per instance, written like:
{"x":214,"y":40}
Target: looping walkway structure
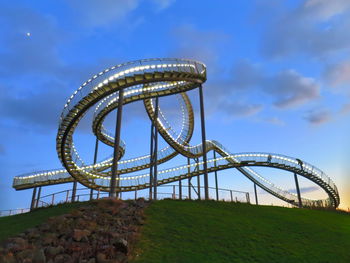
{"x":147,"y":80}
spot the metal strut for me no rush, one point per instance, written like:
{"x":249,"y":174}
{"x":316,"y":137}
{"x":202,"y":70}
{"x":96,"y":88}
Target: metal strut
{"x":216,"y":178}
{"x":256,"y":194}
{"x":113,"y":182}
{"x":154,"y":154}
{"x":204,"y":146}
{"x":95,"y":160}
{"x":300,"y":204}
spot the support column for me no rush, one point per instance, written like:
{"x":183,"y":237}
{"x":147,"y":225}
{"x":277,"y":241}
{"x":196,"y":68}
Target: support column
{"x":198,"y":179}
{"x":95,"y":160}
{"x":216,"y":179}
{"x":33,"y":199}
{"x":300,"y":204}
{"x":74,"y":191}
{"x":38,"y":198}
{"x":151,"y":163}
{"x":180,"y":190}
{"x":199,"y":186}
{"x":155,"y":174}
{"x":189,"y":178}
{"x":113,"y":184}
{"x":204,"y":147}
{"x":256,"y":194}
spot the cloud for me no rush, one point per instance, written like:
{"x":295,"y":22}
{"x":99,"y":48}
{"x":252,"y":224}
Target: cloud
{"x":287,"y":88}
{"x":291,"y":89}
{"x":345,"y":109}
{"x":100,"y":13}
{"x":163,"y":4}
{"x":337,"y":75}
{"x":316,"y":28}
{"x":105,"y":13}
{"x":274,"y":121}
{"x":317,"y":117}
{"x":240,"y":108}
{"x":20,"y":53}
{"x":40,"y":109}
{"x":304,"y":189}
{"x":196,"y":44}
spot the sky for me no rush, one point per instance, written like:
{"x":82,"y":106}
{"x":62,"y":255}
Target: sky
{"x":278,"y":77}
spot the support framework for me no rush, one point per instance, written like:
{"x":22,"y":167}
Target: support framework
{"x":144,"y":80}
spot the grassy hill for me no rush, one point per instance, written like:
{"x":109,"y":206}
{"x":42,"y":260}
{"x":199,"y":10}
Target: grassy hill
{"x":208,"y":231}
{"x":13,"y":225}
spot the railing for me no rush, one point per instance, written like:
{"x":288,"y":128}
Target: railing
{"x":11,"y":212}
{"x":166,"y":191}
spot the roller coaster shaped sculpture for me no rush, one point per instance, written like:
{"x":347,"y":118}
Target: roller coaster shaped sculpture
{"x":146,"y":80}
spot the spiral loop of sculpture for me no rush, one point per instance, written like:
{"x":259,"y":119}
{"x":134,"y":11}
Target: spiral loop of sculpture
{"x":144,"y":80}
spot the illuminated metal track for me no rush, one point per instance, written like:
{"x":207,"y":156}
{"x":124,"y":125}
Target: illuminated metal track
{"x":145,"y":80}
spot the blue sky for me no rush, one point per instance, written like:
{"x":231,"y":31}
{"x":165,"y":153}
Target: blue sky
{"x":278,"y":79}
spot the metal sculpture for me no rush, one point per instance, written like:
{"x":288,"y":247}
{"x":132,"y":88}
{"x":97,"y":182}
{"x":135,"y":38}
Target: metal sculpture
{"x":147,"y":80}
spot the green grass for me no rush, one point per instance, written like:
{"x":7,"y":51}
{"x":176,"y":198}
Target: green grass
{"x":199,"y":231}
{"x":12,"y":225}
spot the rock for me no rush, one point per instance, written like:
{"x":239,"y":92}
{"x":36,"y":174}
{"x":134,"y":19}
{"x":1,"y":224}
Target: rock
{"x":101,"y":258}
{"x":8,"y":258}
{"x":39,"y":256}
{"x":49,"y":239}
{"x":24,"y":254}
{"x":120,"y":257}
{"x":121,"y":245}
{"x":16,"y":244}
{"x":80,"y":234}
{"x":63,"y":258}
{"x":76,"y":214}
{"x":51,"y":252}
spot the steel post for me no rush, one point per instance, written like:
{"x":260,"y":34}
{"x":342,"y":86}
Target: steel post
{"x":204,"y":147}
{"x":151,"y":163}
{"x":180,"y":189}
{"x":300,"y":204}
{"x":247,"y":197}
{"x":256,"y":194}
{"x":113,"y":183}
{"x":74,"y":191}
{"x":155,"y":174}
{"x":231,"y":195}
{"x":216,"y":178}
{"x":199,"y":186}
{"x":95,"y":160}
{"x":67,"y":196}
{"x":33,"y":199}
{"x":38,"y":198}
{"x":189,"y":178}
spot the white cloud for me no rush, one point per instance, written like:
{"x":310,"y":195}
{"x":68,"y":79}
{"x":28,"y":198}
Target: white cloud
{"x":287,"y":88}
{"x":291,"y":89}
{"x":338,"y":74}
{"x":163,"y":4}
{"x":317,"y":117}
{"x":97,"y":13}
{"x":316,"y":28}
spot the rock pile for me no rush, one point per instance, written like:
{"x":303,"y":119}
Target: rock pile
{"x":102,"y":231}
